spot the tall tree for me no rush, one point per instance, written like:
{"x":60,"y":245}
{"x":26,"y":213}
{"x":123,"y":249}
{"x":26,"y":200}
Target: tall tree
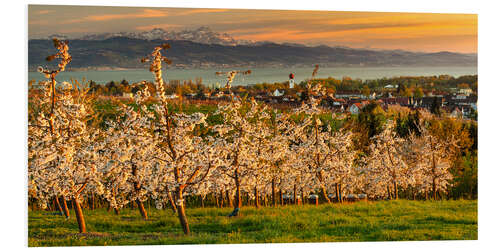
{"x":61,"y":146}
{"x":178,"y":147}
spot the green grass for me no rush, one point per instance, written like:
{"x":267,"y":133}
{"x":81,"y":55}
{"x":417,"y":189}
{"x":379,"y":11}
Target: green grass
{"x":362,"y":221}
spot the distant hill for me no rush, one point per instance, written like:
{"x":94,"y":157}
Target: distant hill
{"x":126,"y":52}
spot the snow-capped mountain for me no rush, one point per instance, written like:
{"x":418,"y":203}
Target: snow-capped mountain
{"x":201,"y":35}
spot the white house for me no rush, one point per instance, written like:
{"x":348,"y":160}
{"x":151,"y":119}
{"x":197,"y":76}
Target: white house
{"x":278,"y":93}
{"x":466,"y":92}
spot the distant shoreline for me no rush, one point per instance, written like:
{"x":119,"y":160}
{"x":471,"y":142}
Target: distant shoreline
{"x":258,"y":75}
{"x":105,"y":68}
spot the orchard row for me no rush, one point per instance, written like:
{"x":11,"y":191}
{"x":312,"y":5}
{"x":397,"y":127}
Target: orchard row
{"x":150,"y":153}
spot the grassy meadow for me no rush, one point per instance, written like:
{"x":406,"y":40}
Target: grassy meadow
{"x":399,"y":220}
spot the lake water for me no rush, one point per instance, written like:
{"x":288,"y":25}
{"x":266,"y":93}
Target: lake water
{"x":258,"y":75}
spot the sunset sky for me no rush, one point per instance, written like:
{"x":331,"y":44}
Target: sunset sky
{"x":376,"y":30}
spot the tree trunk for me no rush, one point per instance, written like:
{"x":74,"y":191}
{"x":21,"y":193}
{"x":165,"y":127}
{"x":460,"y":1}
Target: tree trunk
{"x":180,"y":210}
{"x":257,"y":205}
{"x":295,"y":194}
{"x":281,"y":197}
{"x":341,"y":199}
{"x":325,"y":195}
{"x":59,"y":205}
{"x":171,"y":201}
{"x":336,"y":188}
{"x":389,"y":192}
{"x":217,"y":203}
{"x":140,"y":205}
{"x":117,"y":211}
{"x":51,"y":205}
{"x":221,"y":198}
{"x":32,"y":204}
{"x":65,"y":208}
{"x":396,"y":191}
{"x":229,"y":200}
{"x":273,"y":192}
{"x":79,"y":216}
{"x":237,"y":197}
{"x":434,"y":189}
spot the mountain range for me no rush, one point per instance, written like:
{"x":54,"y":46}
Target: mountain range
{"x":203,"y":47}
{"x":202,"y":34}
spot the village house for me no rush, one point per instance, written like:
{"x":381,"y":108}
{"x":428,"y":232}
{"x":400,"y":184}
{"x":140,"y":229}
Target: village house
{"x":402,"y":101}
{"x":334,"y":103}
{"x":466,"y":92}
{"x":427,"y":102}
{"x":467,"y":103}
{"x":278,"y":93}
{"x":390,"y":86}
{"x":355,"y":108}
{"x":456,"y":113}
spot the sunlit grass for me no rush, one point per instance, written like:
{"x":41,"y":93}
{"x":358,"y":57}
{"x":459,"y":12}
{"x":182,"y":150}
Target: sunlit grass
{"x":362,"y":221}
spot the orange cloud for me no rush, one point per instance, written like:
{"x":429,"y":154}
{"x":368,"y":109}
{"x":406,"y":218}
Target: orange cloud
{"x":199,"y":11}
{"x":429,"y":35}
{"x":147,"y":13}
{"x":162,"y":26}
